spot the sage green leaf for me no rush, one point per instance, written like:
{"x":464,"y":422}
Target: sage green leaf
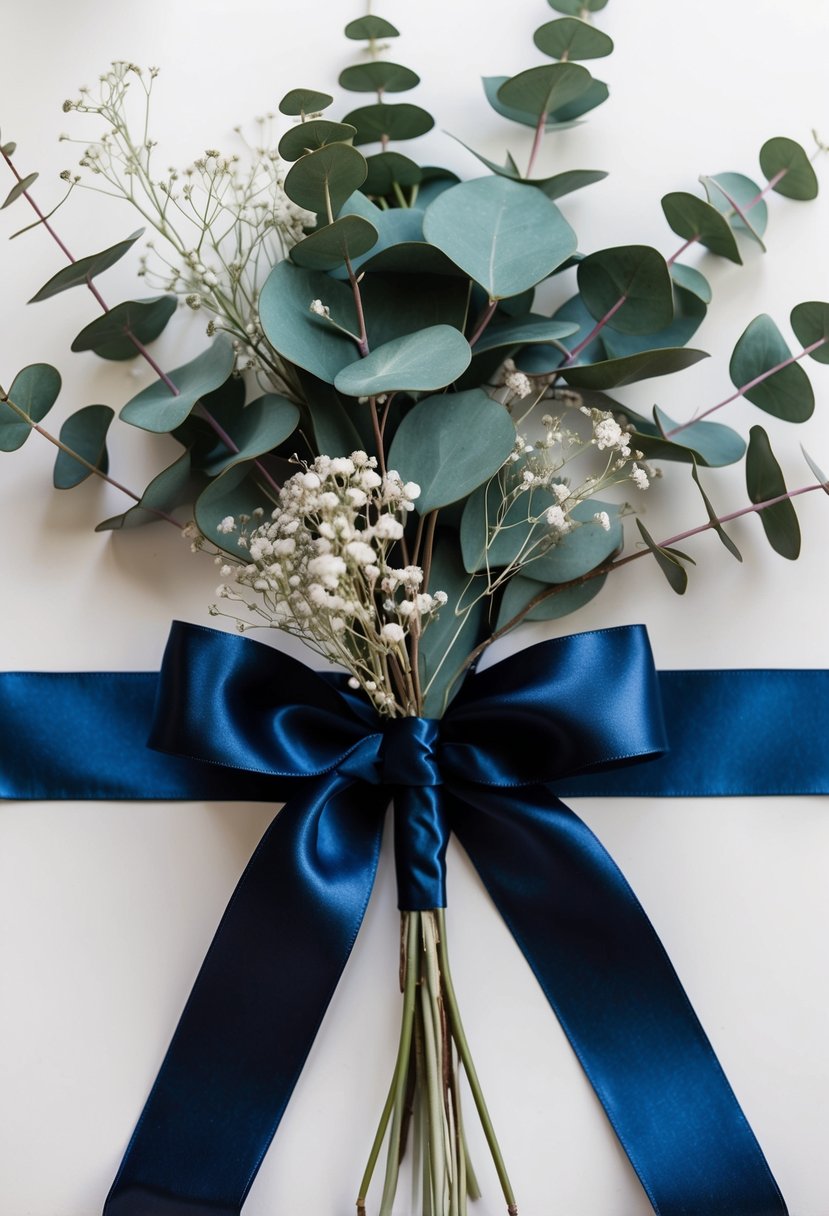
{"x":787,"y":393}
{"x":667,"y":560}
{"x":764,"y":481}
{"x":505,"y":237}
{"x":323,"y":180}
{"x":156,"y":409}
{"x":378,"y":77}
{"x":689,"y":313}
{"x":433,"y":181}
{"x":172,"y":487}
{"x":8,"y":149}
{"x":304,"y":101}
{"x":332,"y":422}
{"x":818,"y":472}
{"x":294,"y":332}
{"x":694,"y":219}
{"x":741,"y":202}
{"x":450,"y":445}
{"x":238,"y":491}
{"x":85,"y":269}
{"x":108,"y":336}
{"x":455,"y":632}
{"x":577,"y":8}
{"x":492,"y":536}
{"x":385,"y":169}
{"x":706,"y":443}
{"x":85,"y":432}
{"x":632,"y":279}
{"x":714,"y":518}
{"x":309,"y":136}
{"x":569,"y":115}
{"x":581,"y":550}
{"x":34,"y":390}
{"x":810,"y":322}
{"x":571,"y":38}
{"x":557,"y":602}
{"x":388,"y":121}
{"x":613,"y":373}
{"x":414,"y":258}
{"x":522,"y":331}
{"x":544,"y":90}
{"x":492,"y":86}
{"x":690,"y":279}
{"x":554,"y":187}
{"x":398,"y":304}
{"x":19,"y":188}
{"x":416,"y":363}
{"x":370,"y":28}
{"x":259,"y":428}
{"x":327,"y":248}
{"x":786,"y":164}
{"x":395,"y":226}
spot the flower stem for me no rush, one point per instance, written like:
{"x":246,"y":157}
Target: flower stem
{"x":403,"y":1061}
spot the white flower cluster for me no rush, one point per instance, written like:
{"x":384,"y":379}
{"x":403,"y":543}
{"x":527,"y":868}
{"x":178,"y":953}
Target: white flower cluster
{"x":322,"y":565}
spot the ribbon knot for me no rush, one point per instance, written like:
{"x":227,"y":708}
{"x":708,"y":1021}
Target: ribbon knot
{"x":409,"y":752}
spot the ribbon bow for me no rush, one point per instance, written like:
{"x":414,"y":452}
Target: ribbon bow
{"x":579,"y":704}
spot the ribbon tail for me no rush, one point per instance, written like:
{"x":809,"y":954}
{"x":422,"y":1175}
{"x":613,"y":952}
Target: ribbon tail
{"x":606,"y":974}
{"x":256,"y":1006}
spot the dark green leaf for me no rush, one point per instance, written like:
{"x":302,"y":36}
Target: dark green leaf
{"x":172,"y":487}
{"x":378,"y":77}
{"x":433,"y":181}
{"x":569,"y":115}
{"x":308,"y":136}
{"x":398,"y":304}
{"x":323,"y":180}
{"x":238,"y":491}
{"x":689,"y":313}
{"x":450,"y":445}
{"x":85,"y":433}
{"x":505,"y":237}
{"x":387,"y":121}
{"x":691,"y":280}
{"x":108,"y":337}
{"x":636,"y":275}
{"x":156,"y":409}
{"x":19,"y":188}
{"x":581,"y":550}
{"x":810,"y":322}
{"x":571,"y":38}
{"x":385,"y":169}
{"x":529,"y":328}
{"x":556,"y":603}
{"x":394,"y":226}
{"x":565,"y":183}
{"x":577,"y":8}
{"x":304,"y":101}
{"x":258,"y":429}
{"x":449,"y":639}
{"x":612,"y":373}
{"x":416,"y":363}
{"x":327,"y":248}
{"x":669,"y":564}
{"x":714,"y":518}
{"x":764,"y":481}
{"x":492,"y":86}
{"x":694,"y":219}
{"x":85,"y":269}
{"x":544,"y":90}
{"x":34,"y":390}
{"x":786,"y":164}
{"x":370,"y":28}
{"x":8,"y":149}
{"x":708,"y":443}
{"x":787,"y":393}
{"x":334,"y":429}
{"x":741,"y":202}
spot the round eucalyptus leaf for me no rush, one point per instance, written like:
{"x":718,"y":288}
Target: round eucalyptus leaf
{"x":577,"y":8}
{"x":85,"y":432}
{"x":709,"y":443}
{"x":370,"y":28}
{"x":172,"y":487}
{"x":505,"y":237}
{"x":765,"y":481}
{"x":416,"y":363}
{"x":689,"y":313}
{"x":18,"y":189}
{"x":454,"y":632}
{"x":386,"y":120}
{"x":259,"y":428}
{"x":571,"y":38}
{"x":332,"y":422}
{"x":324,"y":179}
{"x":521,"y":591}
{"x":301,"y":337}
{"x":543,"y":90}
{"x":787,"y":393}
{"x":304,"y":101}
{"x":8,"y":149}
{"x":156,"y":409}
{"x":434,"y":181}
{"x":741,"y":201}
{"x":309,"y":136}
{"x":326,"y":248}
{"x":387,"y":169}
{"x":565,"y":183}
{"x":394,"y":227}
{"x":492,"y":538}
{"x":34,"y":390}
{"x":634,"y":282}
{"x":450,"y":445}
{"x":613,"y":373}
{"x":785,"y":163}
{"x":108,"y":336}
{"x":523,"y":331}
{"x":567,"y":117}
{"x":581,"y":550}
{"x":810,"y":322}
{"x":80,"y":272}
{"x":235,"y":492}
{"x":694,"y":219}
{"x":690,"y":279}
{"x":378,"y":77}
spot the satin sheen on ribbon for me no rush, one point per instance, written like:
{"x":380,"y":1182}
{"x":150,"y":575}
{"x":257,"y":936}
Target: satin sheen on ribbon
{"x":268,"y":727}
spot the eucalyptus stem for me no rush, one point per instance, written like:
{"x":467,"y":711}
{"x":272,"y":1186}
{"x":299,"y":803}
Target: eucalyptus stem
{"x":412,"y":922}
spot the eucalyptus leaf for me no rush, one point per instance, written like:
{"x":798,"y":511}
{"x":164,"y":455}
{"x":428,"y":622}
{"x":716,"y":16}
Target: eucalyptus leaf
{"x":451,"y":444}
{"x":765,"y":481}
{"x":259,"y":428}
{"x":741,"y":201}
{"x":433,"y":181}
{"x":388,"y":121}
{"x":8,"y":149}
{"x":582,"y":549}
{"x":689,"y":313}
{"x":387,"y":170}
{"x":172,"y":487}
{"x":695,"y":220}
{"x":505,"y":237}
{"x":323,"y":180}
{"x":571,"y":38}
{"x":714,"y":518}
{"x":667,"y":560}
{"x":416,"y":363}
{"x":570,"y":115}
{"x":332,"y":422}
{"x":577,"y":8}
{"x":707,"y":443}
{"x":522,"y":331}
{"x":311,"y":342}
{"x":378,"y":77}
{"x":810,"y":322}
{"x":449,"y":638}
{"x":85,"y":269}
{"x":235,"y":492}
{"x":394,"y":227}
{"x":495,"y":532}
{"x":85,"y":432}
{"x":690,"y":279}
{"x":544,"y":90}
{"x":304,"y":101}
{"x":327,"y":248}
{"x":156,"y":409}
{"x":613,"y":373}
{"x":370,"y":28}
{"x":398,"y":304}
{"x":633,"y":280}
{"x":108,"y":336}
{"x":34,"y":390}
{"x":492,"y":86}
{"x":818,"y":472}
{"x":557,"y":602}
{"x":554,"y":187}
{"x":785,"y":163}
{"x":787,"y":393}
{"x":309,"y":136}
{"x":19,"y":188}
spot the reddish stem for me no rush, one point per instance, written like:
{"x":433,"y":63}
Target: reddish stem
{"x":484,"y":320}
{"x":539,"y":136}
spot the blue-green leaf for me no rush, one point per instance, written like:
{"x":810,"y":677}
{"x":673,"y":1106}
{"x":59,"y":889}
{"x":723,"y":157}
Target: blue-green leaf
{"x":556,"y":602}
{"x":259,"y":428}
{"x":237,"y":491}
{"x":327,"y":248}
{"x":613,"y":373}
{"x":522,"y":331}
{"x":415,"y":363}
{"x":108,"y":336}
{"x":309,"y":341}
{"x":449,"y":639}
{"x":34,"y":390}
{"x":787,"y":393}
{"x":172,"y":487}
{"x":85,"y":432}
{"x":582,"y":549}
{"x":690,"y":279}
{"x":85,"y":269}
{"x":741,"y":202}
{"x":155,"y":408}
{"x":632,"y":279}
{"x":709,"y":443}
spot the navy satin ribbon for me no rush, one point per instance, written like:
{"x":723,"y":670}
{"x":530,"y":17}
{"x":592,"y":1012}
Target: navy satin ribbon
{"x":267,"y":726}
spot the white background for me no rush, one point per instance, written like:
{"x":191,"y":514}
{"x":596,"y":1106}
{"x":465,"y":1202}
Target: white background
{"x":107,"y":910}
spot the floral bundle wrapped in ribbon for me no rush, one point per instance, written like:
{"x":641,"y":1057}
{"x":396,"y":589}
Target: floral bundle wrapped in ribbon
{"x":398,"y":450}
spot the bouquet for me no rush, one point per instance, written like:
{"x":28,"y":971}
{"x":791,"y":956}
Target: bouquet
{"x":410,"y":433}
